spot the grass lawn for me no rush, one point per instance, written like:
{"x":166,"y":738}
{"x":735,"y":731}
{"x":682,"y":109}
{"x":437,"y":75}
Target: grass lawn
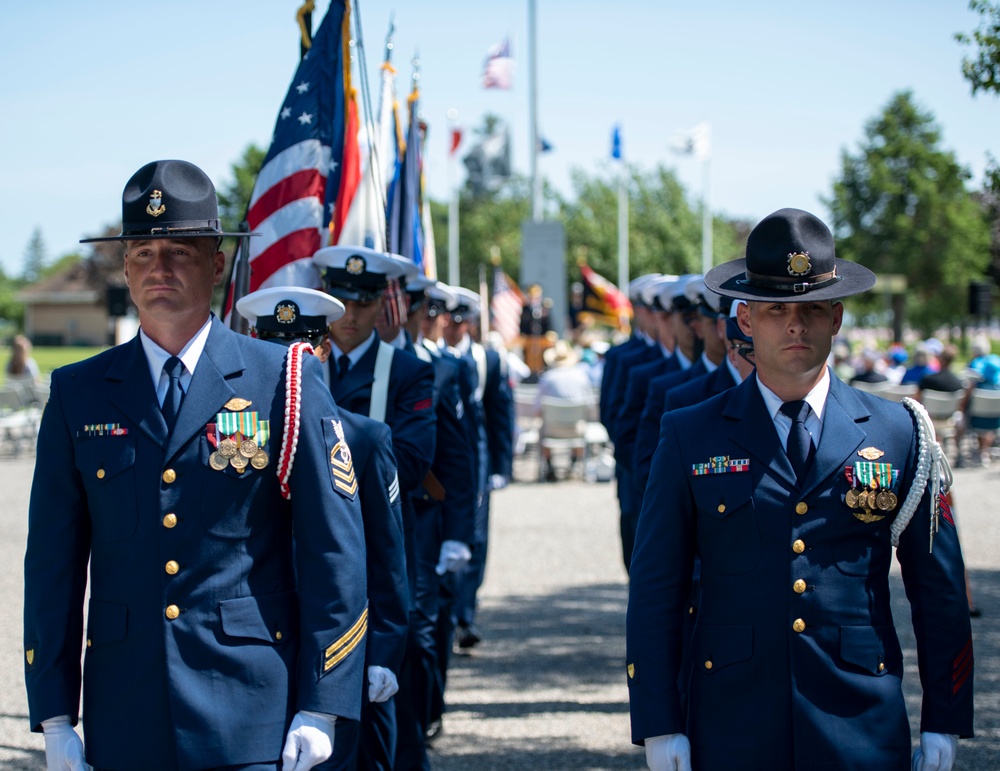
{"x":50,"y":358}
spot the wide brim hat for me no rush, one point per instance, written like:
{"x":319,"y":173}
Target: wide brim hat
{"x":289,"y":311}
{"x":790,"y":257}
{"x":562,"y":354}
{"x":169,"y":199}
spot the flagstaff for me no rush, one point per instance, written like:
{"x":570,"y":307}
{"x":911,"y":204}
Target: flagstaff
{"x":536,"y":180}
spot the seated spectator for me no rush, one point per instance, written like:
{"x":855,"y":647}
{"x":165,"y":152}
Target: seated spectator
{"x":870,"y":361}
{"x":987,"y":369}
{"x":896,"y":367}
{"x":566,"y":378}
{"x":21,"y":366}
{"x":842,"y":367}
{"x":944,"y":379}
{"x":921,"y":366}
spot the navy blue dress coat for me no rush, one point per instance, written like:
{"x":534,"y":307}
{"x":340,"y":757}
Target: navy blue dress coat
{"x":267,"y":623}
{"x":787,"y":674}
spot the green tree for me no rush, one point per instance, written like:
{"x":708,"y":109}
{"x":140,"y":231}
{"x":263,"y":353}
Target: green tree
{"x":35,"y":257}
{"x":983,"y":69}
{"x":989,"y":200}
{"x":901,"y":206}
{"x":234,"y":196}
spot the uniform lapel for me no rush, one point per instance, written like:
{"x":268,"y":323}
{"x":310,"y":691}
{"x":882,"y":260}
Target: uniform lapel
{"x":754,"y":430}
{"x":360,"y":375}
{"x":210,"y":389}
{"x":132,"y":391}
{"x":841,"y":435}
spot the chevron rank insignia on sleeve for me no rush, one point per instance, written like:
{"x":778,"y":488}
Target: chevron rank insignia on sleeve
{"x":342,"y":465}
{"x":394,"y":489}
{"x":346,"y":643}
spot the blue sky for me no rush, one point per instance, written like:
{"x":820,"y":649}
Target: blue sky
{"x":91,"y":91}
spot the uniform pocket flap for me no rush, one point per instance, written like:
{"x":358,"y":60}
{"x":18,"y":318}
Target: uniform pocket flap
{"x":873,"y":648}
{"x":270,"y":617}
{"x":720,"y":495}
{"x":105,"y":459}
{"x":107,"y":622}
{"x":718,"y":646}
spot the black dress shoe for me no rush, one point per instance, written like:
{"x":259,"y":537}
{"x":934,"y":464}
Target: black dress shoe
{"x":975,"y":613}
{"x":467,"y":636}
{"x":434,"y":730}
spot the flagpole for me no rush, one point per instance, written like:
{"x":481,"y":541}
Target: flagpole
{"x":623,"y":227}
{"x":706,"y":221}
{"x":453,"y":271}
{"x":536,"y":180}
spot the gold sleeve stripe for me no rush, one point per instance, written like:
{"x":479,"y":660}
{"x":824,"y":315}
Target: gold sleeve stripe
{"x":347,"y":648}
{"x":359,"y":626}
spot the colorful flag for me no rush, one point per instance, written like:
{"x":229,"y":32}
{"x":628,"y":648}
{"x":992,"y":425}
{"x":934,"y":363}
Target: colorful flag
{"x":603,"y":301}
{"x":295,"y":193}
{"x":616,"y":143}
{"x":350,"y":176}
{"x":405,"y":234}
{"x":506,"y":305}
{"x":456,"y":140}
{"x":498,"y":69}
{"x":544,"y":145}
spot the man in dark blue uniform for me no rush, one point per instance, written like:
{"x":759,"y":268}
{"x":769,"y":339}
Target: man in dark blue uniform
{"x":793,"y":488}
{"x":226,"y":620}
{"x":288,"y":315}
{"x":372,"y":378}
{"x":495,"y":405}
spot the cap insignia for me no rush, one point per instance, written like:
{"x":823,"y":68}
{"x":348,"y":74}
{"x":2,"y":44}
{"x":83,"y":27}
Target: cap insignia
{"x":286,"y":312}
{"x":355,"y":265}
{"x":798,"y":263}
{"x":156,"y":206}
{"x":29,"y":656}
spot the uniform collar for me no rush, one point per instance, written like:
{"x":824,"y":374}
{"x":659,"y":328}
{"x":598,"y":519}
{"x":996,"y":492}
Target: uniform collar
{"x":156,"y":357}
{"x":354,"y":356}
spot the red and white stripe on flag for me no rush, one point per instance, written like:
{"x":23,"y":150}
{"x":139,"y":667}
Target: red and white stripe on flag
{"x":506,"y":306}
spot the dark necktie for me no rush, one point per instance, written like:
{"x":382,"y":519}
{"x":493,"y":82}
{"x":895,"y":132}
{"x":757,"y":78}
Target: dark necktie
{"x":343,"y":364}
{"x":175,"y":394}
{"x":799,"y":447}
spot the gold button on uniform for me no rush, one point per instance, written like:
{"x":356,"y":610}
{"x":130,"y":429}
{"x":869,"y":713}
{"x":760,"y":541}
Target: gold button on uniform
{"x":277,"y":635}
{"x":100,"y":473}
{"x":89,"y":642}
{"x":173,"y":612}
{"x":881,"y":667}
{"x":799,"y":586}
{"x":170,"y":520}
{"x":169,"y":476}
{"x":799,"y":625}
{"x":691,"y":610}
{"x":798,"y":546}
{"x":708,"y":665}
{"x":801,"y":507}
{"x":722,"y":508}
{"x":172,"y":567}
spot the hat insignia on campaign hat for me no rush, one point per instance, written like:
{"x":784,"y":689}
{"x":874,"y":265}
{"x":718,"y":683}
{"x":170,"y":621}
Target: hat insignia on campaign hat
{"x":798,"y":264}
{"x":355,"y":265}
{"x":155,"y":207}
{"x":286,"y":312}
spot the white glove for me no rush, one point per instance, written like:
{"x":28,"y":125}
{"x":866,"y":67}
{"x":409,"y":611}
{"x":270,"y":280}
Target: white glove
{"x":455,"y":555}
{"x":935,"y":753}
{"x":382,"y":684}
{"x":671,"y":752}
{"x":63,"y":746}
{"x":498,"y":481}
{"x":309,"y":741}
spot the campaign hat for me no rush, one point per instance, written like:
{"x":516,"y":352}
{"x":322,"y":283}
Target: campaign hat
{"x":790,"y":257}
{"x":169,"y":199}
{"x":289,"y":312}
{"x":356,"y":273}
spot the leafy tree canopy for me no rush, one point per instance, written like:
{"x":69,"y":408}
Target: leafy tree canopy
{"x":982,"y":70}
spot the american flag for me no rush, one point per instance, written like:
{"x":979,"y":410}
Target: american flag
{"x":506,"y":305}
{"x":296,"y":190}
{"x":498,"y":69}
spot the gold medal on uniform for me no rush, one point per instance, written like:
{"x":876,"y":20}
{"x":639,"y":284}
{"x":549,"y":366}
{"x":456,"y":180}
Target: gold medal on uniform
{"x":239,"y":462}
{"x":851,"y":498}
{"x":218,"y":461}
{"x":228,"y":448}
{"x":259,"y":460}
{"x":248,"y":448}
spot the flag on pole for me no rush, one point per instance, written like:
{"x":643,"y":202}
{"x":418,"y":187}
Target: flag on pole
{"x":498,"y":69}
{"x":616,"y":143}
{"x":405,"y":236}
{"x":506,"y":305}
{"x":350,"y":174}
{"x":488,"y":163}
{"x":696,"y":142}
{"x":295,"y":192}
{"x":388,"y":132}
{"x":603,"y":301}
{"x":456,"y":140}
